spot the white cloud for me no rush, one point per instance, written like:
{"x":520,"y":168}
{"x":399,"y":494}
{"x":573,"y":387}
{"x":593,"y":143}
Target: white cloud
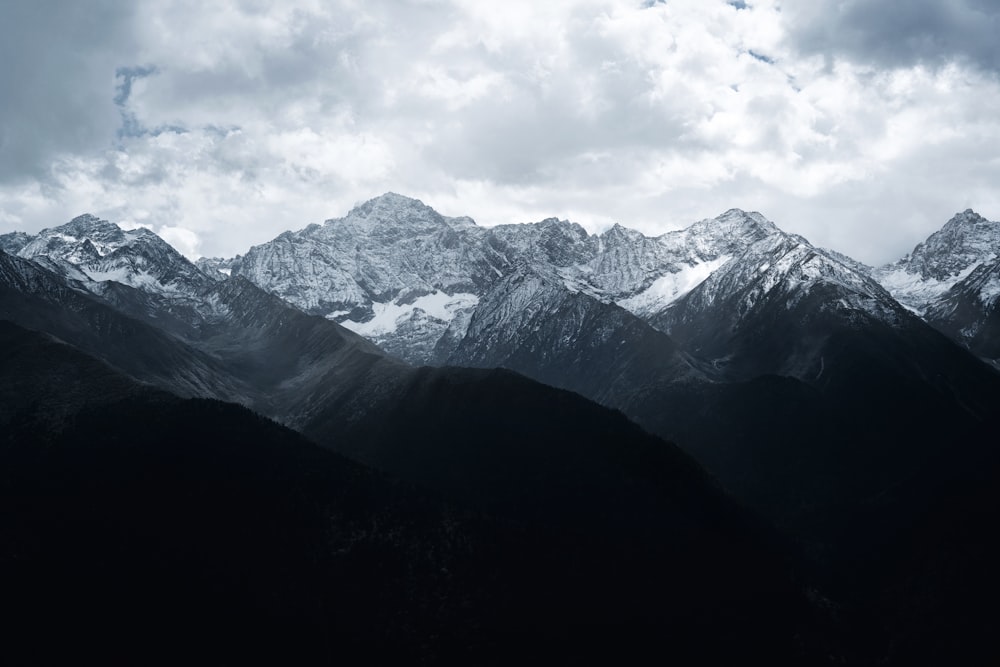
{"x":256,"y":119}
{"x":184,"y":240}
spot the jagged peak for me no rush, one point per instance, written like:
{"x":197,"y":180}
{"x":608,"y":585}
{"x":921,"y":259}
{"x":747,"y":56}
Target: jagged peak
{"x":89,"y":222}
{"x":393,"y":209}
{"x":618,"y":231}
{"x":86,"y":218}
{"x":390,"y":203}
{"x":749,"y":218}
{"x":88,"y":226}
{"x":85,"y":222}
{"x":562,"y":226}
{"x":735,"y":226}
{"x":966,"y":233}
{"x":965,"y":219}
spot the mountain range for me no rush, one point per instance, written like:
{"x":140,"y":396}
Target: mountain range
{"x":728,"y":314}
{"x":844,"y":404}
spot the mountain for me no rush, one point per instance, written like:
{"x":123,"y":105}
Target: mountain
{"x":953,"y":280}
{"x":338,"y":388}
{"x":210,"y":529}
{"x":785,"y":369}
{"x":11,"y":243}
{"x":401,"y":274}
{"x":35,"y":297}
{"x":530,"y":322}
{"x":947,"y":257}
{"x":770,"y":308}
{"x":969,"y":312}
{"x":131,"y":300}
{"x":103,"y":251}
{"x":731,"y":337}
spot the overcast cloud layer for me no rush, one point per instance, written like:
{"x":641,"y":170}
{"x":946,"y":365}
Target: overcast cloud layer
{"x":861,"y":124}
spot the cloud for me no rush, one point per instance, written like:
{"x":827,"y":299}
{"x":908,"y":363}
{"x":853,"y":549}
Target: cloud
{"x":238,"y":120}
{"x":901,"y":34}
{"x":57,"y":81}
{"x":184,"y":240}
{"x":127,"y":76}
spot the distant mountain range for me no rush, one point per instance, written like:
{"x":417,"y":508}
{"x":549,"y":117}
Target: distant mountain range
{"x":842,"y":402}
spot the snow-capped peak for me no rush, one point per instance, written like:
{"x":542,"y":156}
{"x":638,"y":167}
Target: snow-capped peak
{"x":948,"y":256}
{"x":82,"y":237}
{"x":368,"y":265}
{"x":393,"y":210}
{"x":735,"y":226}
{"x":102,"y":251}
{"x":967,"y":238}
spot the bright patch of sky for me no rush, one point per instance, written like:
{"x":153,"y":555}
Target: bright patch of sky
{"x":860,"y":124}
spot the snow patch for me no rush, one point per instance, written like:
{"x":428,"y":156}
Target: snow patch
{"x":389,"y":315}
{"x":990,"y":290}
{"x":128,"y":276}
{"x":915,"y":291}
{"x":669,"y":287}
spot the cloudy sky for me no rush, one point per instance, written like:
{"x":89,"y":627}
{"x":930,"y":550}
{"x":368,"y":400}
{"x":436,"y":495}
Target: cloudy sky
{"x":861,"y":124}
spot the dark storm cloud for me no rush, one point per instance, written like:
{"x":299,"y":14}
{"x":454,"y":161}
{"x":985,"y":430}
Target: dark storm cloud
{"x":59,"y":61}
{"x":901,"y":34}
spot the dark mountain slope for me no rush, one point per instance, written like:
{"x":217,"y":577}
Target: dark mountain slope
{"x":45,"y":379}
{"x":969,"y":312}
{"x":36,"y":298}
{"x":942,"y":582}
{"x":153,"y":529}
{"x":531,"y":323}
{"x":295,"y":362}
{"x":869,"y":391}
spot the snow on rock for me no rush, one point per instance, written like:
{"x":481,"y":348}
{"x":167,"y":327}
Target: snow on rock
{"x":671,"y":286}
{"x":916,"y":291}
{"x":388,"y":316}
{"x":946,"y":259}
{"x":363,"y":269}
{"x":101,"y":251}
{"x":952,"y":280}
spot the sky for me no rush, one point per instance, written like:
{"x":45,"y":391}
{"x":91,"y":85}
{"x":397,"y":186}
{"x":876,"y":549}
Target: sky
{"x":863,"y":125}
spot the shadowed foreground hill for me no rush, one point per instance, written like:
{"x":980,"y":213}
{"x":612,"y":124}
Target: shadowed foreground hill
{"x":151,"y":529}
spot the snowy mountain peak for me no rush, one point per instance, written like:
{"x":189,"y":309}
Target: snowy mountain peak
{"x":394,"y":268}
{"x":98,"y":250}
{"x":389,"y":216}
{"x":87,"y":219}
{"x":389,"y":205}
{"x":966,"y":216}
{"x":945,"y":259}
{"x":967,"y":239}
{"x":735,"y":224}
{"x":83,"y":237}
{"x":619,"y":233}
